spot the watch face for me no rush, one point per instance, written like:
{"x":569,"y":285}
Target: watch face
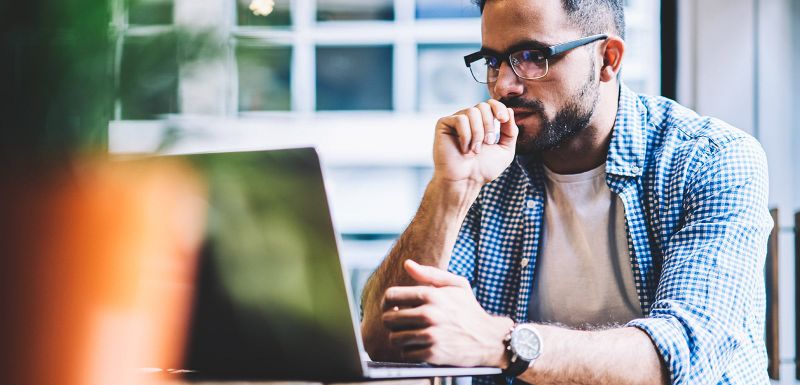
{"x":525,"y":343}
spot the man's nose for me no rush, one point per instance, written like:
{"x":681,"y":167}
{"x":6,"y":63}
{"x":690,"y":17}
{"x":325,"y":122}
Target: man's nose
{"x":508,"y":84}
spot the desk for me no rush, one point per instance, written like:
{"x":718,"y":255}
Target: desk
{"x":435,"y":381}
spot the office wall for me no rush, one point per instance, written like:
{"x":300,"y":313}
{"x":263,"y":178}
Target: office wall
{"x":716,"y":59}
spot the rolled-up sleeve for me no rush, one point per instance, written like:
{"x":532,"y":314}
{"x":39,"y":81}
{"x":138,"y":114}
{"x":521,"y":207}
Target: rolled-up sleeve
{"x":710,"y":295}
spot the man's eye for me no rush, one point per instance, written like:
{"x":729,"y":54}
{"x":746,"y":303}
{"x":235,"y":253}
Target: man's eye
{"x":491,"y":62}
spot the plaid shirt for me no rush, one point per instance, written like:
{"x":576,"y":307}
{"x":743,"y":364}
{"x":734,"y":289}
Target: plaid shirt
{"x":695,"y":196}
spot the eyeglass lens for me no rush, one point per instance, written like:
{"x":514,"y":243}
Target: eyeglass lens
{"x":527,"y":64}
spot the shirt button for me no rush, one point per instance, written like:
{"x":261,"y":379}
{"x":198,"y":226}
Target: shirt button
{"x":524,"y":262}
{"x":635,"y":169}
{"x":530,"y":204}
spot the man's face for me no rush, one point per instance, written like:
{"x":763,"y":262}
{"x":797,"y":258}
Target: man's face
{"x":557,"y":107}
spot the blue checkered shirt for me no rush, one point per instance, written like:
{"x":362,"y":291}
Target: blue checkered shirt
{"x":695,"y":196}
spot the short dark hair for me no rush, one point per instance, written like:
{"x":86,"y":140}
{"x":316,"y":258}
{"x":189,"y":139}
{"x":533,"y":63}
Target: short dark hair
{"x":591,"y":16}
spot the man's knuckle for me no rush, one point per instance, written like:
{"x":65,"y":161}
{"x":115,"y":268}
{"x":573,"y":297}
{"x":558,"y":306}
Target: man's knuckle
{"x":424,"y":296}
{"x":428,"y":316}
{"x":475,"y":113}
{"x":431,"y":354}
{"x":428,"y":335}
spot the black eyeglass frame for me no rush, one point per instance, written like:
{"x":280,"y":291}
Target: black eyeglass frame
{"x":546,"y":53}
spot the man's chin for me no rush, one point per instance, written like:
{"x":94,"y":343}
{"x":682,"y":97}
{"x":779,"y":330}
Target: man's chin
{"x":527,"y":145}
{"x":528,"y":135}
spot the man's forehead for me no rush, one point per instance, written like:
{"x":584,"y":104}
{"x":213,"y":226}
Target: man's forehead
{"x":509,"y":23}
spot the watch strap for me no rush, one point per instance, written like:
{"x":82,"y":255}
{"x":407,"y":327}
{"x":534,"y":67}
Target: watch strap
{"x":516,"y":366}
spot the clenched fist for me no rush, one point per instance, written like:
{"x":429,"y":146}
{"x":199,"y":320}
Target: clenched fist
{"x":475,"y":144}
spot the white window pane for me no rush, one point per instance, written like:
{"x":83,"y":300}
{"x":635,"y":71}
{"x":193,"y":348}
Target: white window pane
{"x":428,"y":9}
{"x":444,"y":82}
{"x":373,"y":199}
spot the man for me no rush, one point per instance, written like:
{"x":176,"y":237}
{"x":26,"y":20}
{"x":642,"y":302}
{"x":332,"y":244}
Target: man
{"x":596,"y":236}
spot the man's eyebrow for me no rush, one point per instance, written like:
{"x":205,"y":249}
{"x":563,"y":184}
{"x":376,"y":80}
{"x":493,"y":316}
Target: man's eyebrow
{"x":518,"y":46}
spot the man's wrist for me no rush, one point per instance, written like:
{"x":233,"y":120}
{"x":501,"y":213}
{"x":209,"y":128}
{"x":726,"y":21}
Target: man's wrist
{"x":458,"y":195}
{"x":501,"y":329}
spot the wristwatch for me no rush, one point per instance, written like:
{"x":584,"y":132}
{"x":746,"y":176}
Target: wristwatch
{"x":525,"y":345}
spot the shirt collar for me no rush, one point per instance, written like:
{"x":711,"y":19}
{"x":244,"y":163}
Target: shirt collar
{"x":626,"y":152}
{"x":627,"y":149}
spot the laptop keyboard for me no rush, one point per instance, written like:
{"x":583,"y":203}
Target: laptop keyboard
{"x":378,"y":365}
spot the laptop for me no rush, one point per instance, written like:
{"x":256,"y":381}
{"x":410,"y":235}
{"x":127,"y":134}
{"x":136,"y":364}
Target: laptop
{"x":272,"y":299}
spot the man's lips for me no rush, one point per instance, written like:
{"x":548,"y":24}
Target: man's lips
{"x":520,"y":114}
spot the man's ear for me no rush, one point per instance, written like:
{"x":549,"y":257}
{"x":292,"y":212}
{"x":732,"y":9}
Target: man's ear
{"x":613,"y":51}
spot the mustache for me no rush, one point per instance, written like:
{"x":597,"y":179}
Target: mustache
{"x":535,"y":106}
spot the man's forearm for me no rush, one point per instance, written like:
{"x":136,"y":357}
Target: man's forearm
{"x":429,"y":240}
{"x":615,"y":356}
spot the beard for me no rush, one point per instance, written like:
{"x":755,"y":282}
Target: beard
{"x":568,"y":122}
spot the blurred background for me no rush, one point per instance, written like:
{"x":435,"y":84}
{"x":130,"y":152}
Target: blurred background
{"x":365,"y":82}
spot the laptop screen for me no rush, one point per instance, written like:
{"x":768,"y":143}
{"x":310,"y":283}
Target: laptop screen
{"x":271,"y":301}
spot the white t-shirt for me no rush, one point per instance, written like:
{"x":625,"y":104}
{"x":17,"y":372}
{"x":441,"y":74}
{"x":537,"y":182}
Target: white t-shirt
{"x":583,"y":277}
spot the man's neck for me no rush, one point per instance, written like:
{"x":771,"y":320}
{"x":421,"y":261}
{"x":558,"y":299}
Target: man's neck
{"x":588,"y":149}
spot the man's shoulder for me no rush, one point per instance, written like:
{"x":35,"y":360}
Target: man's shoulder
{"x":675,"y":130}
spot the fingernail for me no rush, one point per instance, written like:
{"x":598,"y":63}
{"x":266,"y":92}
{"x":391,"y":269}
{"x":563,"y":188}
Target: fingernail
{"x":490,"y":138}
{"x":478,"y":148}
{"x":496,"y":125}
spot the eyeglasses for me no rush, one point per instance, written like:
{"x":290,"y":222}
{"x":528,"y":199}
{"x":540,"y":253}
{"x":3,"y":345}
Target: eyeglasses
{"x":527,"y":64}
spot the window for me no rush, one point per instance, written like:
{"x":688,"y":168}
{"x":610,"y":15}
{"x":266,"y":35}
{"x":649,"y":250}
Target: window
{"x":354,"y":78}
{"x":264,"y":74}
{"x":641,"y":70}
{"x":148,"y":72}
{"x":442,"y":84}
{"x":332,"y":55}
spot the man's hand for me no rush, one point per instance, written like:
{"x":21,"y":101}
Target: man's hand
{"x":468,"y":147}
{"x":441,"y":322}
